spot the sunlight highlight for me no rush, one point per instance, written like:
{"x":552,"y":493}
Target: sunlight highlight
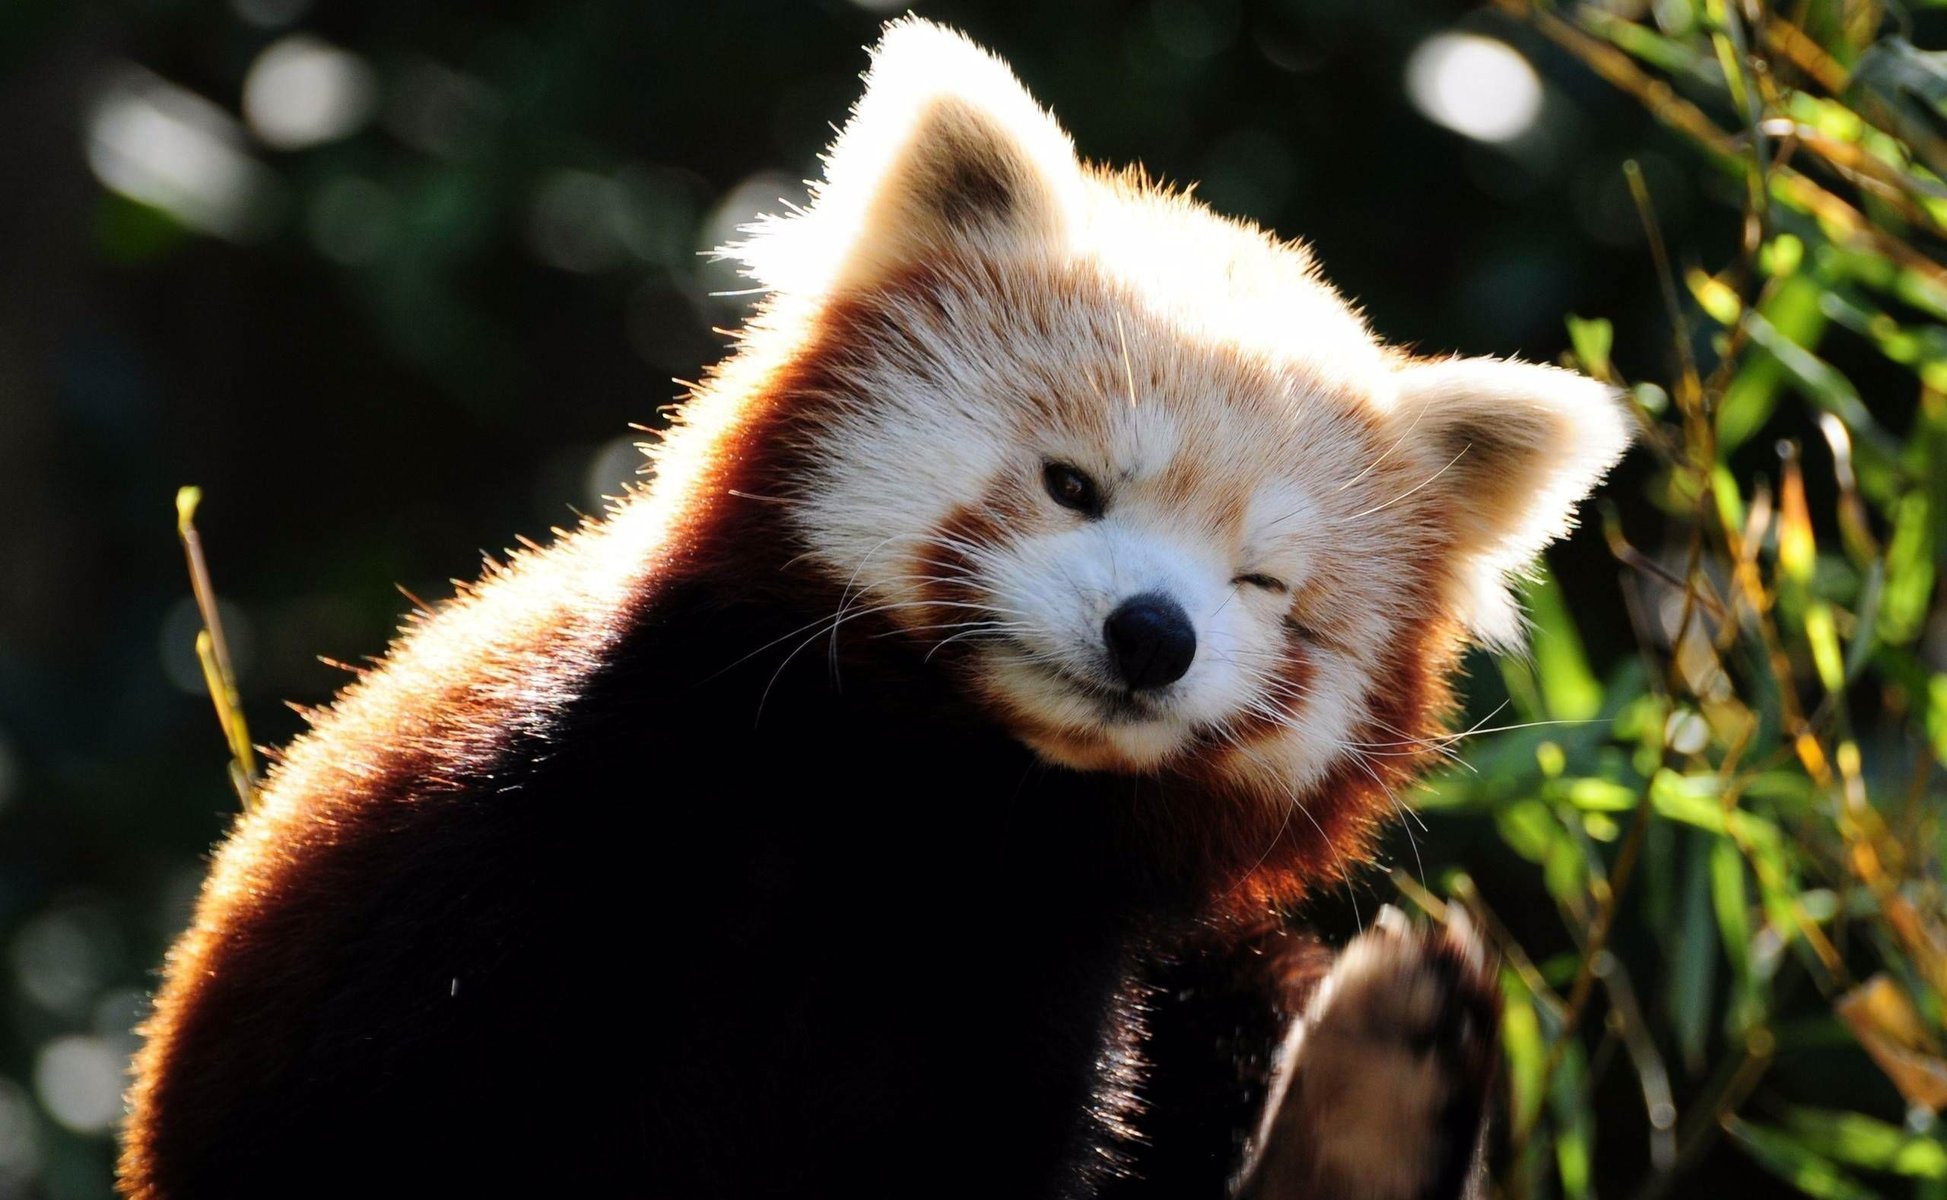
{"x":1476,"y":86}
{"x":165,"y":146}
{"x":303,"y":92}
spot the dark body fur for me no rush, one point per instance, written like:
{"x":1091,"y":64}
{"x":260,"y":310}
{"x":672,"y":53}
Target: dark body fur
{"x":865,"y":946}
{"x":874,"y":948}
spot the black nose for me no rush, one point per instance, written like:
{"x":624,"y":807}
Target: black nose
{"x":1151,"y":640}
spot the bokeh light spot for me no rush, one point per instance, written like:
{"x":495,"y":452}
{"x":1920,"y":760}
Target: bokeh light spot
{"x":79,"y":1081}
{"x":60,"y":957}
{"x":304,"y":92}
{"x":169,"y":148}
{"x":1475,"y":86}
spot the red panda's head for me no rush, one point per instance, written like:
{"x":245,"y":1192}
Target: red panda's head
{"x":1131,"y":470}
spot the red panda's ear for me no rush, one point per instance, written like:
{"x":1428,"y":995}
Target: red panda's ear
{"x":945,"y":151}
{"x":1508,"y":449}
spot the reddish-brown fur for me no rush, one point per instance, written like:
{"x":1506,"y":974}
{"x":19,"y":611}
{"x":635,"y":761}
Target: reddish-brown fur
{"x":407,"y":735}
{"x":871,"y":919}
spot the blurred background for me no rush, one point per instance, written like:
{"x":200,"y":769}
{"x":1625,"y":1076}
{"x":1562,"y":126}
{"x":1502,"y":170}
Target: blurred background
{"x":390,"y":282}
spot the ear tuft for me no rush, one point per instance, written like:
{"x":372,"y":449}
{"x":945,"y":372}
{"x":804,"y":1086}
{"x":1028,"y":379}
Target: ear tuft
{"x":1511,"y":449}
{"x":944,"y":152}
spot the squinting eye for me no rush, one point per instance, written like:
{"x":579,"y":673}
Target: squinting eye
{"x":1071,"y":488}
{"x":1262,"y":581}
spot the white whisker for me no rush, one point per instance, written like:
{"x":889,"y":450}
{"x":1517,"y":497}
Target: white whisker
{"x":1416,"y":487}
{"x":1397,"y":443}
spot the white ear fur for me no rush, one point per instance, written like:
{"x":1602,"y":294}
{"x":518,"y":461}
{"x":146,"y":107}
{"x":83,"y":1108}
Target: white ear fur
{"x":945,"y":149}
{"x":1515,"y":447}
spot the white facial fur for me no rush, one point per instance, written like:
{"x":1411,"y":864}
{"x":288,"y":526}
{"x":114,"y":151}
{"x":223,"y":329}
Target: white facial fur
{"x":1218,"y":465}
{"x":987,"y":306}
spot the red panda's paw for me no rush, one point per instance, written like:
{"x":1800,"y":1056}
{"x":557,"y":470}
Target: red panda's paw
{"x":1382,"y":1086}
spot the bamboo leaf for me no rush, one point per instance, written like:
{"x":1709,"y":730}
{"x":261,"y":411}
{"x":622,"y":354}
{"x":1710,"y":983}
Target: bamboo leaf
{"x":1693,"y":974}
{"x":1527,"y":1056}
{"x":1592,"y":338}
{"x":1821,"y":383}
{"x":1733,"y":907}
{"x":1855,"y":1139}
{"x":1784,"y":1157}
{"x":1569,"y":688}
{"x":1573,"y":1123}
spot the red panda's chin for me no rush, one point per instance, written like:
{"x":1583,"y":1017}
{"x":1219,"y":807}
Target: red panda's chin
{"x":1071,"y":722}
{"x":1121,"y":749}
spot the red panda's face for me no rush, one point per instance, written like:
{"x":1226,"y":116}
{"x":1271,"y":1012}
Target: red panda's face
{"x":1131,"y":546}
{"x":1155,"y":566}
{"x":1131,"y":473}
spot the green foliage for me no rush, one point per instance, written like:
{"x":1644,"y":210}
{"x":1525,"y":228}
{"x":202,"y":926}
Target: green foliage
{"x":1744,"y":846}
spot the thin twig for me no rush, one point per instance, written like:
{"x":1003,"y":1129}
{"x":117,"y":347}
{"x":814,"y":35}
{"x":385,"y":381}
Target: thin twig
{"x":213,"y":652}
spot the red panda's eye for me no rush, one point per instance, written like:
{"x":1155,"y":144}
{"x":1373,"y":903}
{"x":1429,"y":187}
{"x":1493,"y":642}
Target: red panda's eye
{"x":1266,"y":582}
{"x":1071,"y":488}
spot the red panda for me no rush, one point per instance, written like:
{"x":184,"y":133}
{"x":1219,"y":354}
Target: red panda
{"x":903,"y":793}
